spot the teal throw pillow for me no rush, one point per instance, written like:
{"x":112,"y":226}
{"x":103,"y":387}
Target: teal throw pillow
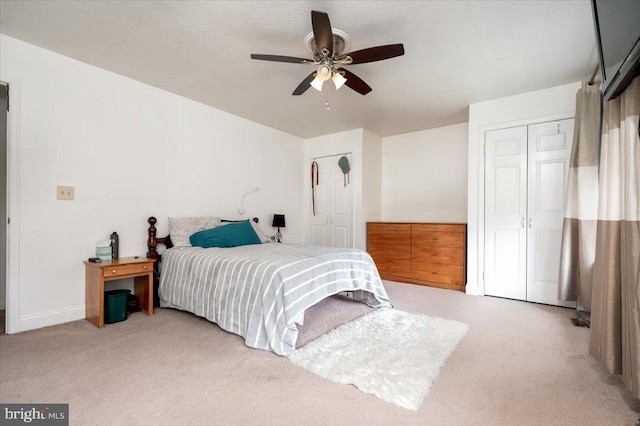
{"x":231,"y":235}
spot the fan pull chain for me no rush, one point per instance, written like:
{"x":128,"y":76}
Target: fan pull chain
{"x":327,"y":104}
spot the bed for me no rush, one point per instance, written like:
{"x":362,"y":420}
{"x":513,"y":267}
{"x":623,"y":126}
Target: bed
{"x":261,"y":291}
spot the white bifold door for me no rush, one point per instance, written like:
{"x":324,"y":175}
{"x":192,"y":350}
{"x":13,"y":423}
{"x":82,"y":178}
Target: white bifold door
{"x":526,"y":171}
{"x":331,"y":224}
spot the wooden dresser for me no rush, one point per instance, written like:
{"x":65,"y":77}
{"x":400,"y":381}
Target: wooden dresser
{"x":432,"y":254}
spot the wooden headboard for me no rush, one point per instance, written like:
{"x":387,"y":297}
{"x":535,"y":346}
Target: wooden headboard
{"x":153,"y":241}
{"x":152,"y":253}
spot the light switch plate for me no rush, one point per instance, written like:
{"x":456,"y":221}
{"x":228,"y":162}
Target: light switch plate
{"x":66,"y":192}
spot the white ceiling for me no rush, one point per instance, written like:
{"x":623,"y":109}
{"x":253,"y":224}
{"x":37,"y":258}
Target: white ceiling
{"x":456,"y":53}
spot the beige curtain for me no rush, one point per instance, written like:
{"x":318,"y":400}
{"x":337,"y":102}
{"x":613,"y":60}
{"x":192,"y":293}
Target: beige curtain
{"x":581,"y":205}
{"x":615,"y":315}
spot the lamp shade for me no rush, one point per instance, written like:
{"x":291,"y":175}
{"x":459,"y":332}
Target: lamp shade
{"x":278,"y":221}
{"x":317,"y":84}
{"x":338,"y":80}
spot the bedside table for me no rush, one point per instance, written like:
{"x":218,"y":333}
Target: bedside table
{"x":140,"y":269}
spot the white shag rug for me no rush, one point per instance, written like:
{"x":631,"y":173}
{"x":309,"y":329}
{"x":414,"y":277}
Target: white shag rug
{"x":387,"y":353}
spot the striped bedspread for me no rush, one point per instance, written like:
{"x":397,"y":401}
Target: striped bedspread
{"x":261,"y":291}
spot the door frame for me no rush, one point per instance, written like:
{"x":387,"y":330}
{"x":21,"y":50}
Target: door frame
{"x":478,"y":217}
{"x":13,"y":205}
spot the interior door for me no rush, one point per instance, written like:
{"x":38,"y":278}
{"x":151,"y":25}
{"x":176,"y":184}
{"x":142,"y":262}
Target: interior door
{"x":526,"y":174}
{"x":505,"y":212}
{"x":331,"y":225}
{"x":549,"y":150}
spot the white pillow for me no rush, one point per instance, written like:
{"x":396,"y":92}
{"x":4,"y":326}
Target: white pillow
{"x":264,"y":238}
{"x":180,"y":229}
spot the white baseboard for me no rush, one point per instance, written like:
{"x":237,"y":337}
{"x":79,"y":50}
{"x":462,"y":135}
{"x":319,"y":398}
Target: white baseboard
{"x":47,"y":319}
{"x":472,"y":290}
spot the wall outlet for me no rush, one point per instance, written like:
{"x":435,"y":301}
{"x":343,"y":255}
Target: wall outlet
{"x":66,"y":192}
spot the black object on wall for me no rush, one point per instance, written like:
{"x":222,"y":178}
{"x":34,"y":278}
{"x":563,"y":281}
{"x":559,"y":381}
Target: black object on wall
{"x":617,"y":30}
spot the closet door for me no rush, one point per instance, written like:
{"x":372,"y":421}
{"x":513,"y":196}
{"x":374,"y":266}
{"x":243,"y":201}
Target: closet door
{"x":331,"y":225}
{"x":548,"y":167}
{"x":505,"y":213}
{"x":526,"y":170}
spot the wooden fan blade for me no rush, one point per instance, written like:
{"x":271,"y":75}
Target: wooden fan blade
{"x":278,"y":58}
{"x":355,"y":82}
{"x":377,"y":53}
{"x":306,"y":83}
{"x":322,"y":32}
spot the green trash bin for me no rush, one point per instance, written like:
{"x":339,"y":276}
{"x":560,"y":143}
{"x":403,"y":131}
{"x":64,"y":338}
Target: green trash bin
{"x":115,"y":305}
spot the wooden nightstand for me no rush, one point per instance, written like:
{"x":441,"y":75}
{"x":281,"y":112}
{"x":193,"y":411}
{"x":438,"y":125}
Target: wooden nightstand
{"x":140,"y":269}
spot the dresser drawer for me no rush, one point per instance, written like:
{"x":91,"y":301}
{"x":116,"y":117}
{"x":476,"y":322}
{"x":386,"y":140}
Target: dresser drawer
{"x":120,"y":270}
{"x":392,"y":260}
{"x":437,"y":238}
{"x":439,"y":227}
{"x":439,"y":273}
{"x":381,"y":251}
{"x":434,"y":254}
{"x":394,"y":269}
{"x":389,"y":232}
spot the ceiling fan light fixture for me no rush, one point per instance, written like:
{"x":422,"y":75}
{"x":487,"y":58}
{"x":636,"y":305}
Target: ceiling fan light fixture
{"x":338,"y":80}
{"x":331,"y":50}
{"x":317,"y":83}
{"x":324,"y":72}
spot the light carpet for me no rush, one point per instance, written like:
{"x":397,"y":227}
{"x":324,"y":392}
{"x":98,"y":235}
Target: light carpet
{"x":387,"y":353}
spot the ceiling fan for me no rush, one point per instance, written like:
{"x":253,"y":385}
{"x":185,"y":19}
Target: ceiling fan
{"x":328,"y":47}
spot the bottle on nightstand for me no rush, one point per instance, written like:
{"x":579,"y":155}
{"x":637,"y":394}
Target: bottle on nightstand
{"x":114,"y":245}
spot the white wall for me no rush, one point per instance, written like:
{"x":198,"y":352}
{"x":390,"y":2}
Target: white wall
{"x":372,"y":177}
{"x":131,"y":151}
{"x":539,"y":106}
{"x":424,"y":175}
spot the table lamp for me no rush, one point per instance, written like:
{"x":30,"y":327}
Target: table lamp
{"x":278,"y":221}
